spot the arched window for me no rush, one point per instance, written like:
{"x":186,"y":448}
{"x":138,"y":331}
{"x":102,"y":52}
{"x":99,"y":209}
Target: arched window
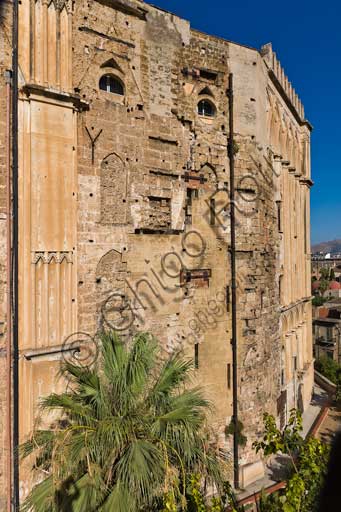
{"x":206,"y":108}
{"x":110,"y":83}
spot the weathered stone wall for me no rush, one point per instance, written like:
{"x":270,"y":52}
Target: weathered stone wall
{"x":160,"y":147}
{"x":124,"y":204}
{"x":155,"y":140}
{"x":167,"y":163}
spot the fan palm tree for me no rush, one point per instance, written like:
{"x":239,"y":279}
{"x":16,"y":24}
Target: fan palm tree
{"x":130,"y":431}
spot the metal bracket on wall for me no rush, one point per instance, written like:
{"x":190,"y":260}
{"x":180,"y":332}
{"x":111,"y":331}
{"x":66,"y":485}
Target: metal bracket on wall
{"x":93,"y":143}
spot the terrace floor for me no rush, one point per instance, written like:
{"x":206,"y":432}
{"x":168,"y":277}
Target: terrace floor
{"x":330,"y":425}
{"x":276,"y":470}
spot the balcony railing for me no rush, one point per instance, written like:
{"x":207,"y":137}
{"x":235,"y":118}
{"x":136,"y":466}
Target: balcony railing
{"x":326,"y":342}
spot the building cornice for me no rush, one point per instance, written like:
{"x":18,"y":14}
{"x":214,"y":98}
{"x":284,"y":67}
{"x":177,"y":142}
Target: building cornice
{"x":284,"y":309}
{"x":283,"y":85}
{"x":307,"y":181}
{"x":287,"y":101}
{"x":39,"y":90}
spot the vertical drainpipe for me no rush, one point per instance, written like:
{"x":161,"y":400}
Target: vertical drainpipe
{"x":233,"y":288}
{"x":8,"y":77}
{"x":15,"y":309}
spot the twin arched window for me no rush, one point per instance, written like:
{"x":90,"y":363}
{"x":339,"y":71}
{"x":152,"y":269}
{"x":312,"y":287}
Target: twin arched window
{"x":111,"y":83}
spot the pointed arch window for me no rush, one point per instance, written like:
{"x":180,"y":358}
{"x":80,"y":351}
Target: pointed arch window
{"x":111,"y":83}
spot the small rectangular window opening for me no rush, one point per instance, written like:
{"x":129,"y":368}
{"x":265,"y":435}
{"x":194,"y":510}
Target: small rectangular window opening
{"x":208,"y":75}
{"x":189,"y":196}
{"x":198,"y":276}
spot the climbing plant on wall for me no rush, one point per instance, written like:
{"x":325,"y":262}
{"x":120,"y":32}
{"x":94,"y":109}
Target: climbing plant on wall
{"x":308,"y":464}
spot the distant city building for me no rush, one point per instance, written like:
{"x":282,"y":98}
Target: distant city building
{"x":320,"y":261}
{"x":334,"y":289}
{"x":327,"y":330}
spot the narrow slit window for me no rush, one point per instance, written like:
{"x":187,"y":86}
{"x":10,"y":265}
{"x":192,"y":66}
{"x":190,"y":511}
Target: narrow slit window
{"x":279,"y":216}
{"x":228,"y":376}
{"x":196,"y":356}
{"x":282,"y":378}
{"x":212,"y":212}
{"x":295,"y":363}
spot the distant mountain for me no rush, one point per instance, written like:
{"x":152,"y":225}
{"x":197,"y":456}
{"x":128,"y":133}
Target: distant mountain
{"x":332,"y":246}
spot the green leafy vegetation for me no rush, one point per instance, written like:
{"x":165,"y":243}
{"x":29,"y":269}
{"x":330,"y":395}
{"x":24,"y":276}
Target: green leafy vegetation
{"x":197,"y":502}
{"x":308,"y":466}
{"x":319,"y":301}
{"x":338,"y":387}
{"x":328,"y":367}
{"x":131,"y":436}
{"x":130,"y":432}
{"x":325,"y":274}
{"x":324,"y":285}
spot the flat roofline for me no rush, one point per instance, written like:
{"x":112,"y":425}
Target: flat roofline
{"x":163,"y":10}
{"x":220,"y":38}
{"x":273,"y":77}
{"x":213,"y":36}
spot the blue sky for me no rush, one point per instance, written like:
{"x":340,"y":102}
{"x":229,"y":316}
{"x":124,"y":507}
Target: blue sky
{"x":306,"y":35}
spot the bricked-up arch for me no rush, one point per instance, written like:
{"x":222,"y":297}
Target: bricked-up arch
{"x":113,"y":190}
{"x":209,"y":173}
{"x":111,"y":274}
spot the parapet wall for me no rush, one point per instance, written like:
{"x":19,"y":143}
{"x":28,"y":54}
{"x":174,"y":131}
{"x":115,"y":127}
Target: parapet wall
{"x":275,"y":66}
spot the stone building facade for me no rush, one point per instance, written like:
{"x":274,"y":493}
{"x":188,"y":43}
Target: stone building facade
{"x":5,"y":126}
{"x":124,"y":210}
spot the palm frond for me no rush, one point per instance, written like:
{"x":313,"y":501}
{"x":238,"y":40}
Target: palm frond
{"x":175,"y":372}
{"x":41,"y":498}
{"x":120,"y":499}
{"x":128,"y":428}
{"x":141,"y":469}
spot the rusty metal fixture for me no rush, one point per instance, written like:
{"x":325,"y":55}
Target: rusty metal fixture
{"x":231,"y":155}
{"x":8,"y":77}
